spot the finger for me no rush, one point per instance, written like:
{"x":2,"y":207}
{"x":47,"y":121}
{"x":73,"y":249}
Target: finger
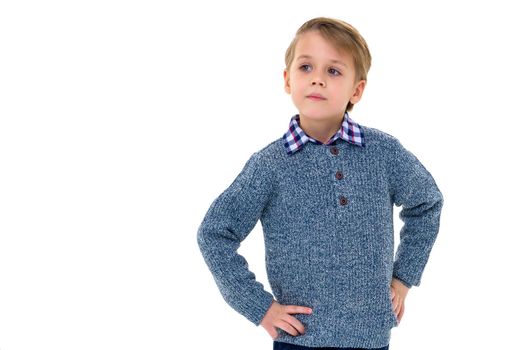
{"x":397,"y":315}
{"x":285,"y":326}
{"x":398,"y":306}
{"x":273,"y":333}
{"x":394,"y":312}
{"x":400,"y":303}
{"x":295,"y":323}
{"x":294,"y":309}
{"x":394,"y":302}
{"x":401,"y":312}
{"x":392,"y":293}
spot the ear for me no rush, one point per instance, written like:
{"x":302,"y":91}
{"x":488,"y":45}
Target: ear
{"x":286,"y":77}
{"x":358,"y":92}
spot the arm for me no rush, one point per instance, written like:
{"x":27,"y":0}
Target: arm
{"x":228,"y":221}
{"x":413,"y":187}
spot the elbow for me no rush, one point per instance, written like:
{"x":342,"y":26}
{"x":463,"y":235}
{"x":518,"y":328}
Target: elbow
{"x":440,"y":200}
{"x":202,"y":238}
{"x":436,"y":203}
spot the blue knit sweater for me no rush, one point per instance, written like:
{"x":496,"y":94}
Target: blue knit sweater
{"x":327,"y":218}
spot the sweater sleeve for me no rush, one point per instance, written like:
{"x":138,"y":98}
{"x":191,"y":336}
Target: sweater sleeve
{"x":228,"y":221}
{"x":413,"y":187}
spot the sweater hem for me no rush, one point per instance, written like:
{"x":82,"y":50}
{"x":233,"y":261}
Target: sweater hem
{"x":351,"y":340}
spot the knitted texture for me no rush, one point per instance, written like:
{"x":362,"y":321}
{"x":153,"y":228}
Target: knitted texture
{"x":327,"y":217}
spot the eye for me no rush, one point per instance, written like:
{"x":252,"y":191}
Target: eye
{"x":332,"y":71}
{"x":304,"y":65}
{"x":335,"y":70}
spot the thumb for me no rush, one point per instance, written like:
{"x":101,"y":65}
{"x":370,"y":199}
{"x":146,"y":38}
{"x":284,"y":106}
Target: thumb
{"x":273,"y":333}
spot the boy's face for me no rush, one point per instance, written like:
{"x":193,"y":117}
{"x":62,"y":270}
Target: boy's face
{"x":313,"y":72}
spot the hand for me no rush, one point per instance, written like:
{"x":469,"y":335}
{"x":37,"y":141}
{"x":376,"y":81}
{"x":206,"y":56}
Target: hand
{"x":280,"y":316}
{"x":398,"y":293}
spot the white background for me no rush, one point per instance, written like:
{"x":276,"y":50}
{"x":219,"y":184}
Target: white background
{"x":121,"y":121}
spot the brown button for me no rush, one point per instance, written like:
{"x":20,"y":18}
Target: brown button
{"x":343,"y":200}
{"x":334,"y":150}
{"x":338,"y":175}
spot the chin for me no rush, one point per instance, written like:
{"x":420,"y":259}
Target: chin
{"x":315,"y":113}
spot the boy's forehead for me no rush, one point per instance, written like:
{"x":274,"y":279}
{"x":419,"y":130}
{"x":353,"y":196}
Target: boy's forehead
{"x":314,"y":46}
{"x":340,"y":61}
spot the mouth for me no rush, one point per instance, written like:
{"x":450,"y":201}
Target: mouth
{"x":316,"y":97}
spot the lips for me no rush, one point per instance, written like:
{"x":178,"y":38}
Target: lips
{"x":316,"y":97}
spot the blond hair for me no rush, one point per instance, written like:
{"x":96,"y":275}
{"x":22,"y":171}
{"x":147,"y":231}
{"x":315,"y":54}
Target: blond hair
{"x":344,"y":37}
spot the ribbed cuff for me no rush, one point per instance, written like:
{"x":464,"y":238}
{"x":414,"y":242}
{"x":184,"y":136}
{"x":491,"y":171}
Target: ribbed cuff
{"x":260,"y":308}
{"x":402,"y":280}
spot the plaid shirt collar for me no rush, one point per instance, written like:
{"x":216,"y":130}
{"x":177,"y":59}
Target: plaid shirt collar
{"x":295,"y":137}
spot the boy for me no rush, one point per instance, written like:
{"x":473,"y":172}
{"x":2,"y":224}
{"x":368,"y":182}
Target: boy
{"x":324,"y":193}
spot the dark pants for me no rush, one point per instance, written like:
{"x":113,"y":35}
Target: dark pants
{"x":285,"y":346}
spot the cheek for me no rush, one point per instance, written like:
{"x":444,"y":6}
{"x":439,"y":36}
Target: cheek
{"x":296,"y":86}
{"x":301,"y":84}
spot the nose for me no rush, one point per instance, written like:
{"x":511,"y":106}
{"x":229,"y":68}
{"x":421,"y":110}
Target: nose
{"x":318,"y":81}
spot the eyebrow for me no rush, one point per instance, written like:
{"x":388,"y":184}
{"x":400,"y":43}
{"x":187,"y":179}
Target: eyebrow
{"x":333,"y":61}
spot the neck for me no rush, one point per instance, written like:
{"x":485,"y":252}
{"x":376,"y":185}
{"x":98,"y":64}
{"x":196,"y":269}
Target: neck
{"x":321,"y":130}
